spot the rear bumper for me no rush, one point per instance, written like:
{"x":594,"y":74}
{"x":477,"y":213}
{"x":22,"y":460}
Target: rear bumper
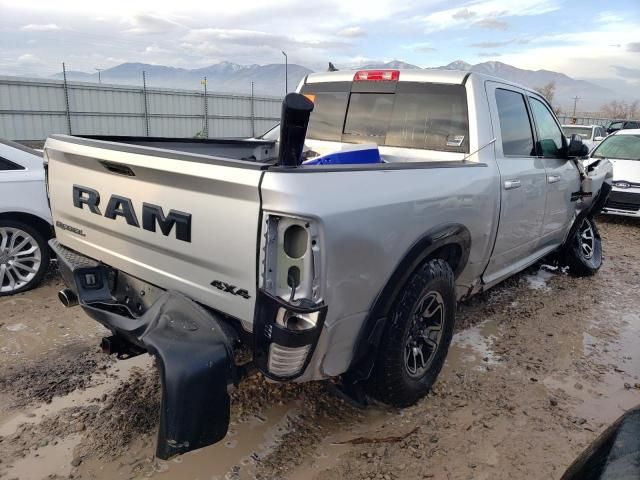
{"x":193,"y":345}
{"x":194,"y":353}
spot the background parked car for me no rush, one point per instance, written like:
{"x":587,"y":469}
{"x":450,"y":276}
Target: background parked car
{"x":622,"y":125}
{"x":591,"y":135}
{"x":622,"y":149}
{"x":25,"y":219}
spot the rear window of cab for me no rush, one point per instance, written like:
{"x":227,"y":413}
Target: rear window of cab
{"x":429,"y":116}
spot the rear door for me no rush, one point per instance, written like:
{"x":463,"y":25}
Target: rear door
{"x":522,"y":182}
{"x":177,"y":221}
{"x":562,"y":176}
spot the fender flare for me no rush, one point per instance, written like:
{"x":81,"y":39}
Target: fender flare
{"x":366,"y":345}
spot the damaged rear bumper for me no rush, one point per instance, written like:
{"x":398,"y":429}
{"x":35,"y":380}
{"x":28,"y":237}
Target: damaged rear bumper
{"x":193,"y":350}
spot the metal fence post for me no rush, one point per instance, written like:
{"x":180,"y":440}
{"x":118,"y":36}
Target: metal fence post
{"x":206,"y":111}
{"x":146,"y":102}
{"x":66,"y":96}
{"x":253,"y":115}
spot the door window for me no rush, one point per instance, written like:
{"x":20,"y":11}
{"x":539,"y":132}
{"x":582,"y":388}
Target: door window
{"x":515,"y":126}
{"x":549,"y":133}
{"x":7,"y":165}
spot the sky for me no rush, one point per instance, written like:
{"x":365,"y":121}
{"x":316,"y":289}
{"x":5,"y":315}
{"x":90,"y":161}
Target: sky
{"x":582,"y":38}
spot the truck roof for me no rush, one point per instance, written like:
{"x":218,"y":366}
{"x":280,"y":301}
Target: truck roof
{"x":456,"y":77}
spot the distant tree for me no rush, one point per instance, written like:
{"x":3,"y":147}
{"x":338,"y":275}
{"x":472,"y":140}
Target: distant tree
{"x":548,"y":91}
{"x":634,"y":109}
{"x":621,"y":109}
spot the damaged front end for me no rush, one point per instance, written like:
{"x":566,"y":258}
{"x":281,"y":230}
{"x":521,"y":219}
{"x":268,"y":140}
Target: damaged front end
{"x":193,"y":347}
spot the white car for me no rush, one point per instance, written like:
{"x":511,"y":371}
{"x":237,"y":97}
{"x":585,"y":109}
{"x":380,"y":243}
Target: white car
{"x":25,"y":219}
{"x":622,"y":149}
{"x":591,"y":135}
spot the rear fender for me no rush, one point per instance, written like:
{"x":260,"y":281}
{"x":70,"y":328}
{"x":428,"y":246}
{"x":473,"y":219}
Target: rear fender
{"x":424,"y":248}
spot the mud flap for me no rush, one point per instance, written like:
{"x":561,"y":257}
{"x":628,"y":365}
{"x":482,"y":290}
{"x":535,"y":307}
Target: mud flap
{"x":196,"y":363}
{"x":195,"y":360}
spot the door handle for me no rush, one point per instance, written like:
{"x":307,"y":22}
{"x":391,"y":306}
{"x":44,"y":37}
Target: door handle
{"x":511,"y":184}
{"x":553,"y":178}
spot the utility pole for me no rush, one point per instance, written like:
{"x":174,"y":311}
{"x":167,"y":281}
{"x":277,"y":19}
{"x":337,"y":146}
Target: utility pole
{"x":286,"y":73}
{"x":99,"y":70}
{"x":575,"y":103}
{"x":66,"y":96}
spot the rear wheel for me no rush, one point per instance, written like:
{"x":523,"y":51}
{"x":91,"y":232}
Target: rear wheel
{"x":24,"y":257}
{"x":583,"y":252}
{"x":417,"y":337}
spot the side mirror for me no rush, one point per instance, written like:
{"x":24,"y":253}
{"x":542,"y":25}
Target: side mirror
{"x":598,"y":139}
{"x":576,"y":148}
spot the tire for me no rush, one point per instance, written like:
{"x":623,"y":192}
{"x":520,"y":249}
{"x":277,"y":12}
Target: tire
{"x":24,"y":257}
{"x":401,"y":375}
{"x":583,"y":251}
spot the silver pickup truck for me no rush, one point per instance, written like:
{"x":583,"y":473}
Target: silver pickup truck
{"x":322,"y":263}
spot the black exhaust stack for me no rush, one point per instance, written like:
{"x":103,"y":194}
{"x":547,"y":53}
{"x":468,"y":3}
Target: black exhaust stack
{"x":294,"y":121}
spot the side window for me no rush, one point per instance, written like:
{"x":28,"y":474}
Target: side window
{"x":7,"y":165}
{"x":549,"y":134}
{"x":515,"y":127}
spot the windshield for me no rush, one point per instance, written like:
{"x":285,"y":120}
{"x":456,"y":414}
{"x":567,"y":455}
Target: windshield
{"x":623,"y":147}
{"x":420,"y":115}
{"x":584,"y":132}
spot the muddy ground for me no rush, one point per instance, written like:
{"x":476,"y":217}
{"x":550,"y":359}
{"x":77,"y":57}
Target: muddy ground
{"x":539,"y":366}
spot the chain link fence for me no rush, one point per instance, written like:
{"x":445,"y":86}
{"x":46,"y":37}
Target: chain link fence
{"x":34,"y":108}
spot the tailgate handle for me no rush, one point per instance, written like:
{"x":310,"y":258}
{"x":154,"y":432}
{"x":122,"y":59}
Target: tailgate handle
{"x":118,"y":168}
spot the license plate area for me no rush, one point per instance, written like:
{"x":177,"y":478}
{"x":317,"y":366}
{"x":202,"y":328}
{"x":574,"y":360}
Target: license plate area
{"x":134,"y":294}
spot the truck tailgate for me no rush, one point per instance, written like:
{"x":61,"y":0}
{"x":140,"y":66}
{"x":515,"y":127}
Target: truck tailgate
{"x":182,"y":222}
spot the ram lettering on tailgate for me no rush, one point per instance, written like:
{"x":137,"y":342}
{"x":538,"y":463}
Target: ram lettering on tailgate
{"x":119,"y":206}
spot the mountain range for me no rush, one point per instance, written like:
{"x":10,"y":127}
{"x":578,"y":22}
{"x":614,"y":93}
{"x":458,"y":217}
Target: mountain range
{"x":269,"y":79}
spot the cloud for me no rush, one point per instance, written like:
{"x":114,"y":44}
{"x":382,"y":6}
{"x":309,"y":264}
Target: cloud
{"x":491,"y":44}
{"x":489,"y":54}
{"x":633,"y":46}
{"x":28,"y":59}
{"x":491,"y":23}
{"x":34,"y":27}
{"x":486,"y":13}
{"x":463,"y":14}
{"x":352,"y":32}
{"x":521,"y":41}
{"x":145,"y":24}
{"x":609,"y":17}
{"x":423,"y":48}
{"x":626,"y":72}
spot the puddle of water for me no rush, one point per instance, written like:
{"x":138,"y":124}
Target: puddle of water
{"x":116,"y":373}
{"x":538,"y":281}
{"x":607,"y":399}
{"x":235,"y":455}
{"x":45,"y":461}
{"x":232,"y":458}
{"x":474,"y":345}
